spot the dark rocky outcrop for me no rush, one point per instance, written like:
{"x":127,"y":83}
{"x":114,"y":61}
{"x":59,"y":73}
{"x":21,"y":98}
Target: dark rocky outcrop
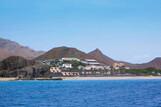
{"x":16,"y":66}
{"x":35,"y":71}
{"x":15,"y":62}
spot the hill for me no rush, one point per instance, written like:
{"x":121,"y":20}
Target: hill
{"x":15,"y":62}
{"x":61,"y":52}
{"x":100,"y":57}
{"x":10,"y":48}
{"x":156,"y":63}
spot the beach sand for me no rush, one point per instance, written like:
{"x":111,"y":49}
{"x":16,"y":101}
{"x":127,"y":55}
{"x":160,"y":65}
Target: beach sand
{"x":112,"y":78}
{"x":93,"y":78}
{"x":7,"y":79}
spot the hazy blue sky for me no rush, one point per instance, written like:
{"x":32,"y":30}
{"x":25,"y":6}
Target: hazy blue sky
{"x":127,"y":30}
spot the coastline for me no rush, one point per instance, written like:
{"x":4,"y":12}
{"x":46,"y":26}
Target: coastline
{"x":7,"y":79}
{"x":112,"y":78}
{"x":91,"y":78}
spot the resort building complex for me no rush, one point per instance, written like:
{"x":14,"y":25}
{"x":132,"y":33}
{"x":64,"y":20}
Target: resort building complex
{"x":78,"y":67}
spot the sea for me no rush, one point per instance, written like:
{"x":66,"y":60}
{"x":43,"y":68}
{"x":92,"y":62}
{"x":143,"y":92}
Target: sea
{"x":81,"y":93}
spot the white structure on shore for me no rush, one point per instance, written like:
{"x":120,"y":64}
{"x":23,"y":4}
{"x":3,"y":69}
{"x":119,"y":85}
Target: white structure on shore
{"x":67,"y":65}
{"x":71,"y":59}
{"x":92,"y":64}
{"x":118,"y":66}
{"x":89,"y":66}
{"x":55,"y":70}
{"x":94,"y":67}
{"x":70,"y":73}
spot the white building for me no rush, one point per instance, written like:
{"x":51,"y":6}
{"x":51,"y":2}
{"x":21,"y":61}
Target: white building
{"x":107,"y":67}
{"x":67,"y":65}
{"x":90,"y":62}
{"x":70,"y":59}
{"x":118,"y":66}
{"x":93,"y":67}
{"x":127,"y":68}
{"x":70,"y":73}
{"x":55,"y":70}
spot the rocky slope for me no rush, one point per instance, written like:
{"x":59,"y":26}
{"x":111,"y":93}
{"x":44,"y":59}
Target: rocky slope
{"x":100,"y":57}
{"x":11,"y":48}
{"x":61,"y":52}
{"x":156,"y":63}
{"x":15,"y":62}
{"x":16,"y":66}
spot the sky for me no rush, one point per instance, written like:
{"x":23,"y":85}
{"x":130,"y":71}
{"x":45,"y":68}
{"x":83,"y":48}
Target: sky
{"x":128,"y":30}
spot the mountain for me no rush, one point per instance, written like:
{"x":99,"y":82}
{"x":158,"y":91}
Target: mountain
{"x":100,"y":57}
{"x":11,"y":48}
{"x":61,"y":52}
{"x":156,"y":63}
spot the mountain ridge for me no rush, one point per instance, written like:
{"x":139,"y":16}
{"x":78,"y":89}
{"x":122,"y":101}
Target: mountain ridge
{"x":63,"y":51}
{"x":155,"y":63}
{"x":100,"y":57}
{"x":60,"y":52}
{"x":10,"y":48}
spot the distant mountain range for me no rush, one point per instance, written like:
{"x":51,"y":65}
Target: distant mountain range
{"x":10,"y":48}
{"x":60,"y":52}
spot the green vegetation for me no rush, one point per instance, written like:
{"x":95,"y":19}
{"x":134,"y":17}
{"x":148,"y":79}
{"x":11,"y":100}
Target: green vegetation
{"x":76,"y":64}
{"x":56,"y":63}
{"x":148,"y":71}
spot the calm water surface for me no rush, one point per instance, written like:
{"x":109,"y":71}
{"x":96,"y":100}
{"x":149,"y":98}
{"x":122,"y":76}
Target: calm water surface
{"x":113,"y":93}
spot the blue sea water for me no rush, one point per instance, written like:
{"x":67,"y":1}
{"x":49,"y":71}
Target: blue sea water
{"x":111,"y":93}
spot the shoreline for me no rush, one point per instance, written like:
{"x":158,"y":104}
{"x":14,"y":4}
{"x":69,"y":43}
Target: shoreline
{"x":7,"y":79}
{"x":91,"y":78}
{"x":113,"y":78}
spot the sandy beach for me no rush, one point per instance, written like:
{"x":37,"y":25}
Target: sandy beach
{"x":112,"y":78}
{"x":7,"y":79}
{"x":92,"y":78}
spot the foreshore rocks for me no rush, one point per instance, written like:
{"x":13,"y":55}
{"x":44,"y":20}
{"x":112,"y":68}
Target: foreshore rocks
{"x":21,"y":68}
{"x":15,"y":62}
